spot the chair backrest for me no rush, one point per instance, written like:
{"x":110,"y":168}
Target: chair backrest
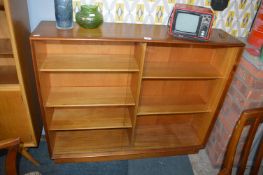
{"x":13,"y":146}
{"x":252,"y":118}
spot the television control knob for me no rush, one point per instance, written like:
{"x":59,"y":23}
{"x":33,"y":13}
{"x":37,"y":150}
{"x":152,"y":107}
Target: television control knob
{"x":204,"y":28}
{"x":206,"y":20}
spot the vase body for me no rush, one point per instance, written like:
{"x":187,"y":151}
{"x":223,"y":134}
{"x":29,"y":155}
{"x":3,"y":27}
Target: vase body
{"x":64,"y":13}
{"x":89,"y":16}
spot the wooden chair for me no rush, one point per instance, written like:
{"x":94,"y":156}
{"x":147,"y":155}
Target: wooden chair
{"x":252,"y":118}
{"x":24,"y":152}
{"x":13,"y":147}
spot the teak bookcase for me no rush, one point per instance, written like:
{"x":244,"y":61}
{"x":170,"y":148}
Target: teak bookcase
{"x":129,"y":91}
{"x":19,"y":107}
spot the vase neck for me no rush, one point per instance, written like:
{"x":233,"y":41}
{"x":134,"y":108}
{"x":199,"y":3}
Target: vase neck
{"x":89,"y":8}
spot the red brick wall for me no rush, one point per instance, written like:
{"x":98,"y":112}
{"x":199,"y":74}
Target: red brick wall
{"x":246,"y":91}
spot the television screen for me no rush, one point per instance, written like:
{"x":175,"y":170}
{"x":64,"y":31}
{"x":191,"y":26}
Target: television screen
{"x":187,"y":22}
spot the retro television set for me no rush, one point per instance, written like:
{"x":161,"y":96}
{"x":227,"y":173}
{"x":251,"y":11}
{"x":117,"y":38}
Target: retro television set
{"x":192,"y":22}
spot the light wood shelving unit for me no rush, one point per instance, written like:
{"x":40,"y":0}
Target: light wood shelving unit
{"x":19,"y":106}
{"x":108,"y":94}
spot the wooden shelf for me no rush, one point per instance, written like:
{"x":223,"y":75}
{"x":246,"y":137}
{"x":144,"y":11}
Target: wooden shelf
{"x":90,"y":96}
{"x":90,"y":63}
{"x":10,"y":87}
{"x":91,"y":142}
{"x":90,"y":118}
{"x":172,"y":109}
{"x":8,"y":75}
{"x":165,"y":131}
{"x":159,"y":70}
{"x":175,"y":105}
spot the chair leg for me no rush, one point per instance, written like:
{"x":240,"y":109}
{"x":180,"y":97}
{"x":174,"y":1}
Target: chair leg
{"x":28,"y":156}
{"x":11,"y":168}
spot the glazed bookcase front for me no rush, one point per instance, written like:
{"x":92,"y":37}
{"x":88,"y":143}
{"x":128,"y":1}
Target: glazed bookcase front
{"x":120,"y":98}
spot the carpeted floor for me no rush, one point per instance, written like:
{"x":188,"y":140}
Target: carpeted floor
{"x":178,"y":165}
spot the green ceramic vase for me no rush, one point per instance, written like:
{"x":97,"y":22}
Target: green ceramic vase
{"x":89,"y":16}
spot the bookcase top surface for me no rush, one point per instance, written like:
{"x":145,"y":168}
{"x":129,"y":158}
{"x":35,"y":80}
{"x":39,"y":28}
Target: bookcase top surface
{"x":47,"y":30}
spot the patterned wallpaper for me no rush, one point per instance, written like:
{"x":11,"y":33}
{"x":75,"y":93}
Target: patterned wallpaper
{"x":236,"y":19}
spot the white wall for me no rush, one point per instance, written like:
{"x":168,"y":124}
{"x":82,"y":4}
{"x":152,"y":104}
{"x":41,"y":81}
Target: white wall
{"x":233,"y":19}
{"x":40,"y":10}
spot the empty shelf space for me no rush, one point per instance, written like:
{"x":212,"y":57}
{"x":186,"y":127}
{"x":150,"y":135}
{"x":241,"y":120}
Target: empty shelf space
{"x":8,"y":75}
{"x":176,"y":96}
{"x":158,"y":137}
{"x":172,"y":105}
{"x":89,"y":96}
{"x":90,"y":63}
{"x":166,"y":132}
{"x":92,"y":142}
{"x":159,"y":70}
{"x":90,"y":118}
{"x":5,"y":48}
{"x":2,"y":8}
{"x":7,"y":61}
